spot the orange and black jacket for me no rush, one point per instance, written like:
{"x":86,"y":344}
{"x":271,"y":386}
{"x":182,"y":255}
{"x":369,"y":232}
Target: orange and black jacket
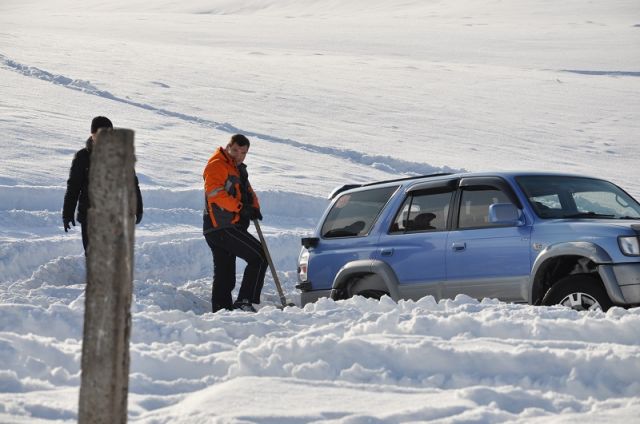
{"x":225,"y":191}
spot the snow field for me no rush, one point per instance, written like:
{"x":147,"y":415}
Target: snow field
{"x":330,"y":92}
{"x":458,"y":86}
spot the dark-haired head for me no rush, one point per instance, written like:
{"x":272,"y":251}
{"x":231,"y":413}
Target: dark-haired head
{"x":100,"y":122}
{"x":240,"y":140}
{"x":237,"y":148}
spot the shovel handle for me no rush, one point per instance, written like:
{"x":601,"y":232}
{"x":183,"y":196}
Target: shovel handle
{"x":276,"y":280}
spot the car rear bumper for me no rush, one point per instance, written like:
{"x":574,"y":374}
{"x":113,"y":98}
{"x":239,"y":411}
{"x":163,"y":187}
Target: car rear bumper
{"x":312,"y":296}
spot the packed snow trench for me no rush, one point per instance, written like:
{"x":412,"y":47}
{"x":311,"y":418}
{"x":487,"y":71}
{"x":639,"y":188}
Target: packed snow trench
{"x":329,"y":92}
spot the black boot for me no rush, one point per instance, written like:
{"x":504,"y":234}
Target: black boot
{"x":215,"y":307}
{"x":244,"y":305}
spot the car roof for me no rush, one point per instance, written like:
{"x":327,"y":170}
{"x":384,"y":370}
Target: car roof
{"x":417,"y":179}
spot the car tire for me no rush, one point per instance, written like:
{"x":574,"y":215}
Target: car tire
{"x":372,"y":294}
{"x":580,"y":292}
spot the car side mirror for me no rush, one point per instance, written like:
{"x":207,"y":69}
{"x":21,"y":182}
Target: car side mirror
{"x":505,"y":214}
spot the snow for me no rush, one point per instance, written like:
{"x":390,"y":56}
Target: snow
{"x":330,"y":92}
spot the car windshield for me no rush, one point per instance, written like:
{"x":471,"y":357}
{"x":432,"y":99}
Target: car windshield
{"x":577,"y":197}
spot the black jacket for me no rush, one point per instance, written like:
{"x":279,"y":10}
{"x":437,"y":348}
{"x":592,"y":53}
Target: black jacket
{"x":78,"y":187}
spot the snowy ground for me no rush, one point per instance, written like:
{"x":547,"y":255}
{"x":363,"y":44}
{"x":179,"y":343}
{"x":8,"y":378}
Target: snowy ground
{"x":330,"y":92}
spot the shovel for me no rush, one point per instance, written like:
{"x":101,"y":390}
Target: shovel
{"x":276,"y":280}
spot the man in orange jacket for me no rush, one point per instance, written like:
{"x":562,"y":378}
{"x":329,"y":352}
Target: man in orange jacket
{"x":230,"y":205}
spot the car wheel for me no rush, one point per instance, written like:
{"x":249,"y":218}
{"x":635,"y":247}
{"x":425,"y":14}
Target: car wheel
{"x":372,"y":294}
{"x":582,"y":292}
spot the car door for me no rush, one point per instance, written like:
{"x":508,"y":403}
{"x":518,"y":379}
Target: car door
{"x":414,"y":244}
{"x":485,"y":259}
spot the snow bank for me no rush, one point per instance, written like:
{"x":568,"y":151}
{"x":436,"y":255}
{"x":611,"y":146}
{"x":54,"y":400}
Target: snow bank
{"x":169,"y":244}
{"x":517,"y":361}
{"x":38,"y":198}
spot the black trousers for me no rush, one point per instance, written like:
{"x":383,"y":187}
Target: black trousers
{"x":85,"y":236}
{"x":226,"y":244}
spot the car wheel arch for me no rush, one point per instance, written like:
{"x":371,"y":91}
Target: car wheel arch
{"x":570,"y":257}
{"x":367,"y":284}
{"x":379,"y":274}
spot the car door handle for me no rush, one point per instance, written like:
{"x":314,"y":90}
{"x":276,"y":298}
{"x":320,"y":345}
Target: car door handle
{"x":459,"y":246}
{"x":387,"y":252}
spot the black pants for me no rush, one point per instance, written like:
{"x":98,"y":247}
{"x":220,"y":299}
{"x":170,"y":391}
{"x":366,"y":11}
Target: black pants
{"x":85,"y":237}
{"x":226,"y":244}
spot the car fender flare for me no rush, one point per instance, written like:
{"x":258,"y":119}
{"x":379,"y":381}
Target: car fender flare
{"x":586,"y":249}
{"x":363,"y":267}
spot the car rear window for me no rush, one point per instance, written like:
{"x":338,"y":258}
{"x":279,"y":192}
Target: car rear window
{"x":353,"y":214}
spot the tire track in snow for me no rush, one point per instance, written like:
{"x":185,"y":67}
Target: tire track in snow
{"x":384,"y":163}
{"x":602,"y":73}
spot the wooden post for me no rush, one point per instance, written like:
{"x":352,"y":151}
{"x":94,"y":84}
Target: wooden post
{"x":107,"y":316}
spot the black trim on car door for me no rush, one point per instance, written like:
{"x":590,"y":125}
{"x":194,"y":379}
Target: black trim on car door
{"x":480,"y":183}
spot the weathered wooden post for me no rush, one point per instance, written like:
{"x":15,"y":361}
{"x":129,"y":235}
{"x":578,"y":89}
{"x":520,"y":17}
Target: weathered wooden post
{"x":107,"y":317}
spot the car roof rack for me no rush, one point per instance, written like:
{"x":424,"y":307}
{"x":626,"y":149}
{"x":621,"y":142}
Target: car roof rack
{"x":342,"y":188}
{"x":415,"y":177}
{"x":346,"y":187}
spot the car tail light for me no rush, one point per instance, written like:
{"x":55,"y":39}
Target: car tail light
{"x":303,"y":265}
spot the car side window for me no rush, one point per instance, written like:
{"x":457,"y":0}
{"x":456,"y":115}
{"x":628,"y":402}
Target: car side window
{"x":474,"y":206}
{"x":353,"y":214}
{"x":422,"y":212}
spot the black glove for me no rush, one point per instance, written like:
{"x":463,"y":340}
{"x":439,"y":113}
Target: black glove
{"x":138,"y":217}
{"x":246,"y":213}
{"x":67,"y":223}
{"x":249,"y":213}
{"x":255,"y":214}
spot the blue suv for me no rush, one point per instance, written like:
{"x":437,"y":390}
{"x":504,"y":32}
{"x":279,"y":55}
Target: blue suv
{"x":536,"y":238}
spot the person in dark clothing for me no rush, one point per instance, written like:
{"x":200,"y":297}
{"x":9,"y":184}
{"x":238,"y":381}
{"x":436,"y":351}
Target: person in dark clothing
{"x":78,"y":184}
{"x":230,"y":205}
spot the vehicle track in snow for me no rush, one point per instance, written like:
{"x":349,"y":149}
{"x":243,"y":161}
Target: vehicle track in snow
{"x":384,"y":163}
